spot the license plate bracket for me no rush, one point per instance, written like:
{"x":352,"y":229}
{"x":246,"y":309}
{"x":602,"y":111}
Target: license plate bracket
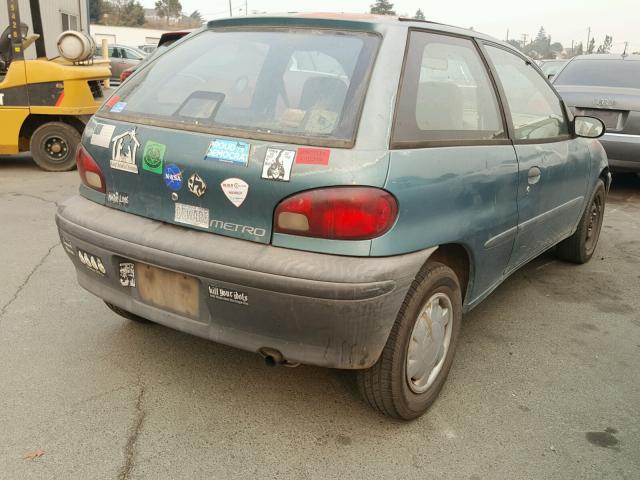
{"x":169,"y":290}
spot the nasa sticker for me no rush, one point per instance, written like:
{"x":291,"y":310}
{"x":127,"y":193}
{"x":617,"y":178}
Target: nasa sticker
{"x":235,"y":189}
{"x":172,"y":177}
{"x":277,"y":164}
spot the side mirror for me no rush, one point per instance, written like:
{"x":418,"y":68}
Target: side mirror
{"x":588,"y":127}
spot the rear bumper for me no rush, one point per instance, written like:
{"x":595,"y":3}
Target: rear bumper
{"x":313,"y":308}
{"x":623,"y":151}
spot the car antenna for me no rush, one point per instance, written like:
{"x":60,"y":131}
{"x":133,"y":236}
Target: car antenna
{"x":624,"y":54}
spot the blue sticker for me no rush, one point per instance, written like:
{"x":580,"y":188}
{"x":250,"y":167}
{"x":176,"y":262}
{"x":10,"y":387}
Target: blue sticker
{"x":173,"y":177}
{"x":228,"y":151}
{"x":118,"y":107}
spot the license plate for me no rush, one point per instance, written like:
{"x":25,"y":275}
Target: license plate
{"x":168,"y":290}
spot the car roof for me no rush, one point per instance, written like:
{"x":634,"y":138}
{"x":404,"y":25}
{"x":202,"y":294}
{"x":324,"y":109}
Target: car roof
{"x":607,"y":56}
{"x":356,"y":21}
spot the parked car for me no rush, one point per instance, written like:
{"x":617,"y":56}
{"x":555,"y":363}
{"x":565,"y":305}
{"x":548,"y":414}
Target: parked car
{"x":148,"y":48}
{"x":551,"y":67}
{"x":122,"y":57}
{"x":165,"y":41}
{"x":279,"y":194}
{"x":607,"y":87}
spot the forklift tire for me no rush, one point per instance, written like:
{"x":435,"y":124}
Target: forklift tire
{"x":53,"y":146}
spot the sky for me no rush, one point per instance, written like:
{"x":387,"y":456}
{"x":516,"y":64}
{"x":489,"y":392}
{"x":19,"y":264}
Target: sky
{"x":564,"y":20}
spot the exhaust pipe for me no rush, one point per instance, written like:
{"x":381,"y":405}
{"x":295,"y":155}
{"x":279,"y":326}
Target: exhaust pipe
{"x":274,"y":358}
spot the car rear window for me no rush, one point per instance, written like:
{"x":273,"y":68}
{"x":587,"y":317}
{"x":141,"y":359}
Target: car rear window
{"x":300,"y":82}
{"x":601,"y":73}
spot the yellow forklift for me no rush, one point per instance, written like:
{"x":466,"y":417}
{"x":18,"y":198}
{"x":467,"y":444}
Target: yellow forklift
{"x":45,"y":104}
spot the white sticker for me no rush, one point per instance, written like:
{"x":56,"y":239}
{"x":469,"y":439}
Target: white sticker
{"x":127,"y":275}
{"x":236,"y":190}
{"x":192,"y":215}
{"x":277,"y":164}
{"x":123,"y":152}
{"x":102,"y":134}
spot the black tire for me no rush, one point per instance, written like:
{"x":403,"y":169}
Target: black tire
{"x":126,"y":314}
{"x":386,"y":385}
{"x":579,"y":247}
{"x":53,"y":146}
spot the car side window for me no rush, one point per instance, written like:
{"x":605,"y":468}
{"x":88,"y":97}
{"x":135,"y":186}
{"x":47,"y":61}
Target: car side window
{"x":446,"y":93}
{"x":536,"y":110}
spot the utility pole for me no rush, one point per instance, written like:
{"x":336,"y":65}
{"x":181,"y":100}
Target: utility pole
{"x":626,"y":44}
{"x":230,"y":9}
{"x":572,"y":51}
{"x":246,"y":8}
{"x":588,"y":35}
{"x":507,"y":34}
{"x":524,"y":40}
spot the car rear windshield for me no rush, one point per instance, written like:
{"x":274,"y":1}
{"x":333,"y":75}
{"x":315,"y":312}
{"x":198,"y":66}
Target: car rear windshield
{"x":601,"y":73}
{"x":300,"y":83}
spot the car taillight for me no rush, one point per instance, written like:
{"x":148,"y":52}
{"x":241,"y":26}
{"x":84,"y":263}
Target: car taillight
{"x":89,"y":170}
{"x":338,"y":213}
{"x":124,"y":75}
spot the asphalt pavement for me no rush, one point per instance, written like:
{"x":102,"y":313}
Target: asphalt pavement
{"x":545,"y":385}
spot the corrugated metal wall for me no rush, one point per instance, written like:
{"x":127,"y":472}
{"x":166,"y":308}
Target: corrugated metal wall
{"x":51,"y":14}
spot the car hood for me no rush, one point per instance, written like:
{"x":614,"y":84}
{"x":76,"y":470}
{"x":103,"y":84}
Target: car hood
{"x":600,"y":97}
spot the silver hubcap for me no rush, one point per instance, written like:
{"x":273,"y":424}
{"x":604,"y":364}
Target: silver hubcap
{"x":429,"y":343}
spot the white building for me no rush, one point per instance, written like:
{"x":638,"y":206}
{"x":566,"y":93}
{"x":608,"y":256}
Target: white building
{"x":48,"y":18}
{"x":130,"y":36}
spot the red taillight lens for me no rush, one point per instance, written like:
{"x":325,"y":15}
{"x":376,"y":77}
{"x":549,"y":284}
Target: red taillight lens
{"x":338,"y":213}
{"x":89,"y":170}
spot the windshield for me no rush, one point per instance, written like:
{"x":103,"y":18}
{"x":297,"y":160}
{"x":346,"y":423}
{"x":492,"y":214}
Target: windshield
{"x":289,"y":82}
{"x":601,"y":73}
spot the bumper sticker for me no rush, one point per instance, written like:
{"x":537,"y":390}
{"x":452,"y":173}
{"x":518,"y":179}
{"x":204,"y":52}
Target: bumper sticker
{"x":277,"y":164}
{"x":226,"y":295}
{"x":118,"y":198}
{"x":192,"y":215}
{"x":313,"y":156}
{"x":102,"y":134}
{"x":66,"y":243}
{"x":173,"y":177}
{"x":127,"y":275}
{"x":92,"y":262}
{"x":197,"y":185}
{"x":153,"y":157}
{"x":229,"y":151}
{"x":235,"y":189}
{"x":123,"y":153}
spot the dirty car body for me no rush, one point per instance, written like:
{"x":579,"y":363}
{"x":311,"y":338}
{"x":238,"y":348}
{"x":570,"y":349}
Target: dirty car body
{"x":285,"y":203}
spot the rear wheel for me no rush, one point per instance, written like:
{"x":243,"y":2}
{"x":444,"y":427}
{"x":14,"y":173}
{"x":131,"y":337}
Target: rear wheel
{"x":579,"y":247}
{"x":415,"y":362}
{"x":126,"y":314}
{"x":53,"y":146}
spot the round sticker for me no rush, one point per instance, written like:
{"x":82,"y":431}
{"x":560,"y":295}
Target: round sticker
{"x":173,"y":177}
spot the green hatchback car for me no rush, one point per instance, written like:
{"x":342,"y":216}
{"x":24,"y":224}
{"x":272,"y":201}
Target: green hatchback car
{"x":331,"y":190}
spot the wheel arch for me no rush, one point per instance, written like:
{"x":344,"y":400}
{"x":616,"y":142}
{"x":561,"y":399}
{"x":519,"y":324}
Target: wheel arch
{"x":457,"y":257}
{"x":34,"y":121}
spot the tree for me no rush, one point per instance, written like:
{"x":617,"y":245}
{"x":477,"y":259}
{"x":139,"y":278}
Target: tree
{"x":542,"y":35}
{"x":197,"y":17}
{"x":95,"y":10}
{"x":169,"y":9}
{"x":592,"y":45}
{"x":382,"y":7}
{"x":419,"y":15}
{"x":606,"y":45}
{"x":515,"y":43}
{"x":127,"y":13}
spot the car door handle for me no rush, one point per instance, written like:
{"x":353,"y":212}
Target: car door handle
{"x":533,"y":176}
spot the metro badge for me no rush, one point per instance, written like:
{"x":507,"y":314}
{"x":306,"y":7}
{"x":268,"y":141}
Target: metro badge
{"x":153,"y":157}
{"x":228,"y":151}
{"x":173,"y":177}
{"x":236,"y":190}
{"x":197,"y":185}
{"x":277,"y":164}
{"x":123,"y":152}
